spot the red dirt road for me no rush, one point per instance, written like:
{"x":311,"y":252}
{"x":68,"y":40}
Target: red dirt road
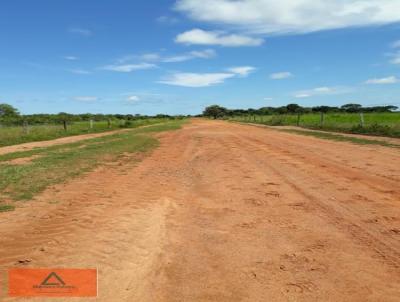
{"x":58,"y":141}
{"x":224,"y":212}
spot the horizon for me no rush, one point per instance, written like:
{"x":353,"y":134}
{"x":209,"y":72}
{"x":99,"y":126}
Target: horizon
{"x":98,"y":57}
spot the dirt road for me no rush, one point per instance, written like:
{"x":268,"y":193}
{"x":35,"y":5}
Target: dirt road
{"x":58,"y":141}
{"x":224,"y":212}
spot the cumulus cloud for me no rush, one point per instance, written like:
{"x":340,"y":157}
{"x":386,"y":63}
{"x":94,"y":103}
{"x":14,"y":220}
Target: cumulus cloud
{"x":320,"y":91}
{"x":382,"y":81}
{"x":292,"y":16}
{"x":196,"y":79}
{"x":281,"y":75}
{"x":206,"y":79}
{"x":86,"y":99}
{"x":242,"y":71}
{"x":202,"y":37}
{"x":129,"y":67}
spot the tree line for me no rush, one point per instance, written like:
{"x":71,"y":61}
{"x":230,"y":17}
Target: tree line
{"x":216,"y":111}
{"x":9,"y":115}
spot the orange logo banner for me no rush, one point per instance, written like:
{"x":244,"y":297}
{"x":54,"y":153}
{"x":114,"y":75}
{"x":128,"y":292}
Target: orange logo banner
{"x":52,"y":282}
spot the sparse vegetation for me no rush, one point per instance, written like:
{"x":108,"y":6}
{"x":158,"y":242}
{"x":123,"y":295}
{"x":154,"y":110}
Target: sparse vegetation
{"x":6,"y":208}
{"x":341,"y":138}
{"x":58,"y":163}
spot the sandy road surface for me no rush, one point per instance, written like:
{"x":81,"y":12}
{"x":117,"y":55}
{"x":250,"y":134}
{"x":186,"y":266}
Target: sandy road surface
{"x":58,"y":141}
{"x":224,"y":212}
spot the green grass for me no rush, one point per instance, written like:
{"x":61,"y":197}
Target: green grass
{"x":15,"y":135}
{"x":6,"y":208}
{"x":381,"y":124}
{"x":341,"y":138}
{"x":56,"y":164}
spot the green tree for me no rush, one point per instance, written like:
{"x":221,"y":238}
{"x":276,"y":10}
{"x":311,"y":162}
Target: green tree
{"x":324,"y":109}
{"x":215,"y":111}
{"x":293,"y":108}
{"x":351,"y":108}
{"x":8,"y":111}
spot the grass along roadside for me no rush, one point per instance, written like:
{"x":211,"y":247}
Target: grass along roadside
{"x":56,"y":164}
{"x":15,"y":135}
{"x":341,"y":138}
{"x":375,"y":124}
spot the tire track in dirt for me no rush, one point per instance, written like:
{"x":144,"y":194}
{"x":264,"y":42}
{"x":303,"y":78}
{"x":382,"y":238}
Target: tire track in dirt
{"x":354,"y":221}
{"x":223,"y":212}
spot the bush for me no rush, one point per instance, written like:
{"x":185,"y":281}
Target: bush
{"x":374,"y":129}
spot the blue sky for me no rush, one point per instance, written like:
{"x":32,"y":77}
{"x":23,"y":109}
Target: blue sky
{"x":177,"y":57}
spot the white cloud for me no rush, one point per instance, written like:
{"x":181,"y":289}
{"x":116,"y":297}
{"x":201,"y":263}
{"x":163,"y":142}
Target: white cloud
{"x":202,"y":37}
{"x":206,"y":79}
{"x":150,"y":57}
{"x":132,"y":99}
{"x":86,"y":99}
{"x":80,"y":71}
{"x":129,"y":67}
{"x":302,"y":95}
{"x":177,"y":58}
{"x":242,"y":71}
{"x":202,"y":54}
{"x":292,"y":16}
{"x":396,"y":60}
{"x":71,"y":58}
{"x":324,"y":90}
{"x":81,"y":31}
{"x":268,"y":99}
{"x":388,"y":80}
{"x":196,"y":79}
{"x":156,"y":57}
{"x":281,"y":75}
{"x":321,"y":91}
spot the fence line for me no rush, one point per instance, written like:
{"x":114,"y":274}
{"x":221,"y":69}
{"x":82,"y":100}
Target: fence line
{"x":367,"y":123}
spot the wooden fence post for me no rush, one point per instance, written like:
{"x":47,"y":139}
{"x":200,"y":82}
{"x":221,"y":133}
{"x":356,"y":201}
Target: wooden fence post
{"x":298,"y":119}
{"x":25,"y":127}
{"x":65,"y":125}
{"x":109,"y":123}
{"x":362,"y":121}
{"x":91,"y":124}
{"x":322,"y":119}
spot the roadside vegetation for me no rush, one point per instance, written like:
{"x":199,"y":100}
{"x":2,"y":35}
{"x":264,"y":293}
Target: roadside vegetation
{"x":16,"y":128}
{"x":341,"y":138}
{"x":43,"y":167}
{"x":350,"y":118}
